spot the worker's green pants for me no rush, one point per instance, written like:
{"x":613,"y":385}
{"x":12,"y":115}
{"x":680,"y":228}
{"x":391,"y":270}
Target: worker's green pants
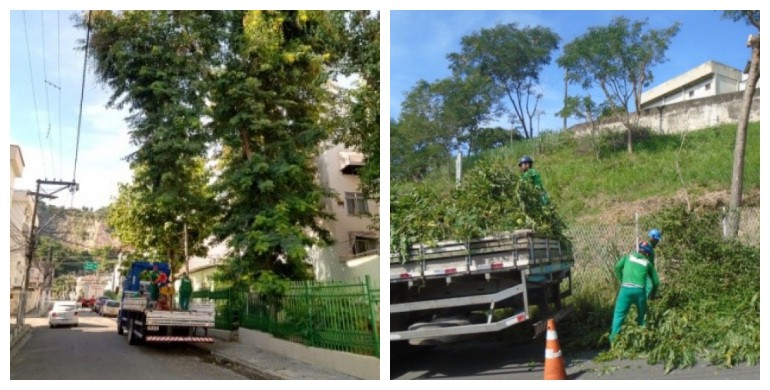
{"x":648,"y":287}
{"x":184,"y":300}
{"x":154,"y":292}
{"x":628,"y":296}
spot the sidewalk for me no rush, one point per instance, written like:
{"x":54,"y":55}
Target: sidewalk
{"x":258,"y":363}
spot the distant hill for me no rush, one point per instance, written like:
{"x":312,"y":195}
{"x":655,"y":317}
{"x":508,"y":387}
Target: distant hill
{"x":79,"y":229}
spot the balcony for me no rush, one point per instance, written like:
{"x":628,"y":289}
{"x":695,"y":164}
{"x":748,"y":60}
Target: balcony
{"x":351,"y":162}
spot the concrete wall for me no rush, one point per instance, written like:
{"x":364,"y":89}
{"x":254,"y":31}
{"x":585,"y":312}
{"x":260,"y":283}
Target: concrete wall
{"x":328,"y":266}
{"x":360,"y":366}
{"x":689,"y":115}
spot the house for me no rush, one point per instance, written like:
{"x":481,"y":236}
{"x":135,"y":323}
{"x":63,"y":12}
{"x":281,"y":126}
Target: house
{"x":202,"y":269}
{"x":708,"y":79}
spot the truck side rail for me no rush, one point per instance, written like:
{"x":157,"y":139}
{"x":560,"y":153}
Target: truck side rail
{"x":521,"y":249}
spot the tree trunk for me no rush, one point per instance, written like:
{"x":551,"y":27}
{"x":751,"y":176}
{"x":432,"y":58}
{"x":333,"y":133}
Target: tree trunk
{"x":736,"y":185}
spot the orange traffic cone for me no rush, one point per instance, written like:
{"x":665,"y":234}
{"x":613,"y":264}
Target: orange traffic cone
{"x":554,"y":364}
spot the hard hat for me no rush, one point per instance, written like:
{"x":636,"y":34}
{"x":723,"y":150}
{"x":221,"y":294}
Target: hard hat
{"x":655,"y":234}
{"x":525,"y":159}
{"x":645,"y":246}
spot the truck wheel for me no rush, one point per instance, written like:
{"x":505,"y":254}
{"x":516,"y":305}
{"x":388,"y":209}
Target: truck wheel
{"x":132,"y":339}
{"x":120,"y":327}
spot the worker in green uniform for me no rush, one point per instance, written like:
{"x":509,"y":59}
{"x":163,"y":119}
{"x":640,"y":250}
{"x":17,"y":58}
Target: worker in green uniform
{"x":154,"y":288}
{"x":655,"y":237}
{"x":528,"y":173}
{"x":632,"y":270}
{"x":185,"y":290}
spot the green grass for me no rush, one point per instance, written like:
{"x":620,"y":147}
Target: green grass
{"x":583,"y":185}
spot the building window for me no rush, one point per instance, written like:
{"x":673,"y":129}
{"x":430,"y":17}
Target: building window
{"x":364,"y":243}
{"x":692,"y":93}
{"x":361,"y":245}
{"x":355,"y":203}
{"x":708,"y":86}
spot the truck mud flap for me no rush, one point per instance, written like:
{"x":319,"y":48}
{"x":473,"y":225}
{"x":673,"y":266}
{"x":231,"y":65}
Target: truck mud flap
{"x":557,"y":316}
{"x":178,"y":339}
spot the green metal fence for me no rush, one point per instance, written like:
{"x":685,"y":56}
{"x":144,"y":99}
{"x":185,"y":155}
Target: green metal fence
{"x":340,"y":316}
{"x":228,"y":307}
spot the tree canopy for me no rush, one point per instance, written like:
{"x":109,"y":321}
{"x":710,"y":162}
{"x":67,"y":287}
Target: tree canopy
{"x":618,"y":59}
{"x":512,"y":57}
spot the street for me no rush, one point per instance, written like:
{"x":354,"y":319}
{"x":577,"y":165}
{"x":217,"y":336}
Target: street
{"x":475,"y":360}
{"x":93,"y":350}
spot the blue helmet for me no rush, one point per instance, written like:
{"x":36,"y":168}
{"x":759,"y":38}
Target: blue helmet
{"x":655,"y":234}
{"x":525,"y":160}
{"x":645,"y":247}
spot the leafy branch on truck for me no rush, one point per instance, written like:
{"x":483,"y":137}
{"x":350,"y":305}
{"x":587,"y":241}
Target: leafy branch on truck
{"x":490,"y":199}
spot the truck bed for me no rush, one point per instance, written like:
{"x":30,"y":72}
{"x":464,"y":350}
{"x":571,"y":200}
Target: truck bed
{"x":522,"y":249}
{"x":198,"y":315}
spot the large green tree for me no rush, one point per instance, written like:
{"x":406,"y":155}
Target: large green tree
{"x":618,"y":59}
{"x":260,"y":81}
{"x":512,"y":57}
{"x":156,"y":63}
{"x":420,"y":142}
{"x":267,"y":101}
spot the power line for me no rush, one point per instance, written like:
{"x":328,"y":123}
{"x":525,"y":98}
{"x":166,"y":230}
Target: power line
{"x":58,"y":66}
{"x":82,"y":88}
{"x":34,"y":98}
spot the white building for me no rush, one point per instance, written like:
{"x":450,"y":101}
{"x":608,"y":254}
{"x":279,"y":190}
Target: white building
{"x":22,"y":206}
{"x":708,"y":79}
{"x":356,"y":251}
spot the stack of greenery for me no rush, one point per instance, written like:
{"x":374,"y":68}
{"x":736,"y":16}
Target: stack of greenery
{"x":490,"y":199}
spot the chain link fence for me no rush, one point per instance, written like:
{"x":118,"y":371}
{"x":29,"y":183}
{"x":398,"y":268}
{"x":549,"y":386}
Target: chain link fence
{"x":597,"y":246}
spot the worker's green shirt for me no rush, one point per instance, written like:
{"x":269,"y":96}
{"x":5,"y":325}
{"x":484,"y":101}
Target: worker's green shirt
{"x":534,"y":177}
{"x":633,"y":269}
{"x":185,"y":287}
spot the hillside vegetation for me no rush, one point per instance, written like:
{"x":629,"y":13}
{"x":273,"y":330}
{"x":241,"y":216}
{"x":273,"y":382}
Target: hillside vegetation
{"x":586,"y":176}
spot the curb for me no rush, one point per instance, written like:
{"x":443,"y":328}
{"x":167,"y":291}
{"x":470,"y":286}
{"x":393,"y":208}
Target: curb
{"x":243,"y":369}
{"x":19,"y":339}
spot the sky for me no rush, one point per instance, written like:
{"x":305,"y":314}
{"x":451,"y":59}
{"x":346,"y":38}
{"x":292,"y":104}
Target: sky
{"x":421,"y":40}
{"x":46,"y":74}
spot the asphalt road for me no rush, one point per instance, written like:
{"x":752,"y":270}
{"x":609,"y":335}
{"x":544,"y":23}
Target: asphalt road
{"x":477,"y":360}
{"x":93,"y":350}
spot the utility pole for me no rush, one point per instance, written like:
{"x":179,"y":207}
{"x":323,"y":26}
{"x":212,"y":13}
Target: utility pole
{"x":31,"y":242}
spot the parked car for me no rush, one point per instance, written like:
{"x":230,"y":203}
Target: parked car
{"x":110,"y":308}
{"x":87,"y":302}
{"x":98,"y":304}
{"x":63,"y":313}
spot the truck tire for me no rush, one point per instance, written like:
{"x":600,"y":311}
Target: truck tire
{"x":120,"y":327}
{"x":132,"y":339}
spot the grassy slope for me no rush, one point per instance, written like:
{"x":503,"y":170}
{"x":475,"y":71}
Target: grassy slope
{"x":582,"y":185}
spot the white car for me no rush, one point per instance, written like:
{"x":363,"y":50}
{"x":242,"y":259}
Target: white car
{"x":63,"y":313}
{"x":110,"y":308}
